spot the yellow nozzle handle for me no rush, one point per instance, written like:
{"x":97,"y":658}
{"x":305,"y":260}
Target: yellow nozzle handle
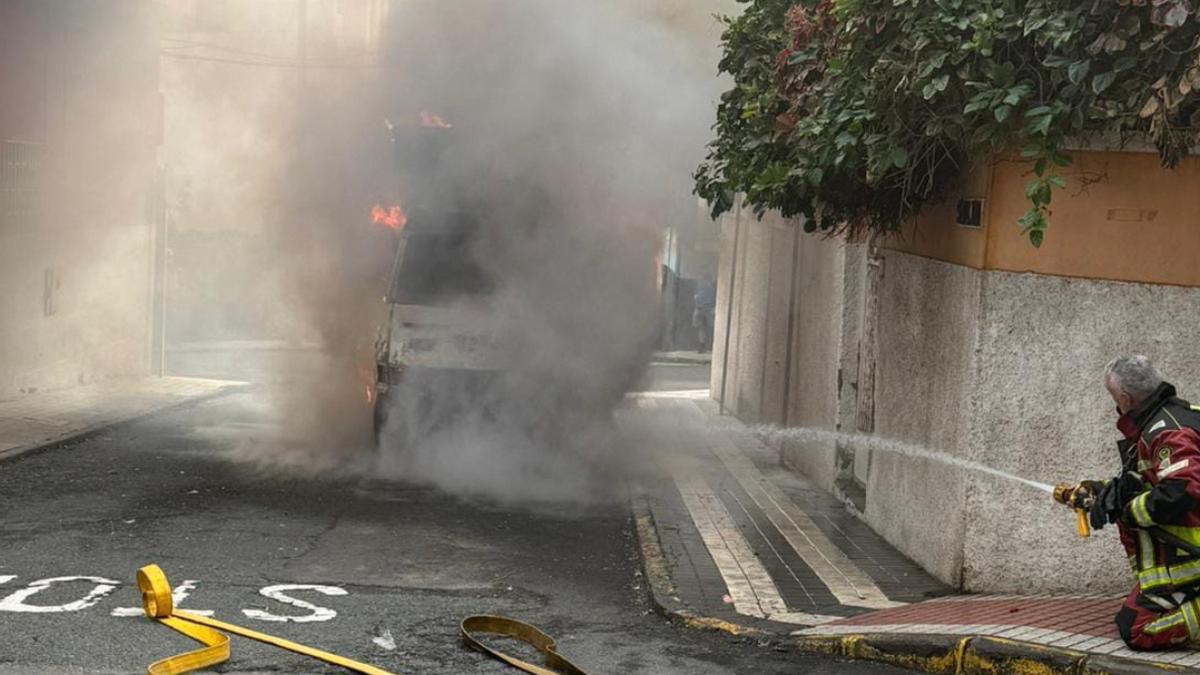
{"x":1081,"y":523}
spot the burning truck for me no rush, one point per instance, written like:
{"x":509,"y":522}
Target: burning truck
{"x":435,"y":352}
{"x":486,"y":342}
{"x":436,"y":346}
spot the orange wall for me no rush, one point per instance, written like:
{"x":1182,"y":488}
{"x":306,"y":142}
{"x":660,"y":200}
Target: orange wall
{"x":934,"y":234}
{"x":1121,"y":217}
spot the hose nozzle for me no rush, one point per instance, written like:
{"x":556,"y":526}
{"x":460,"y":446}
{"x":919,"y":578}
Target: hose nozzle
{"x":1078,"y":497}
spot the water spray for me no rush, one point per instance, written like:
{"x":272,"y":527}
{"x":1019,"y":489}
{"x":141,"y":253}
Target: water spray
{"x":1078,"y":497}
{"x":877,"y":444}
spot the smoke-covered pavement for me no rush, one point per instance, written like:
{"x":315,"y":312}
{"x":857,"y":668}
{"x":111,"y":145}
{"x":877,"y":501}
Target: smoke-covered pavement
{"x":389,"y":569}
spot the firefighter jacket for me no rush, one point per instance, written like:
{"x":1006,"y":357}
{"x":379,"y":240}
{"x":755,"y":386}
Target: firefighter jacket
{"x":1162,"y":448}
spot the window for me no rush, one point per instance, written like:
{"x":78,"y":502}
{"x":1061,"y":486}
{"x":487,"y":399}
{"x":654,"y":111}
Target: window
{"x":438,"y":269}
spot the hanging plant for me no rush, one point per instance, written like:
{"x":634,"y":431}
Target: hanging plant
{"x":857,"y":113}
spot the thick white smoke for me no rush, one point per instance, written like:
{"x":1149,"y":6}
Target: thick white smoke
{"x":576,"y":126}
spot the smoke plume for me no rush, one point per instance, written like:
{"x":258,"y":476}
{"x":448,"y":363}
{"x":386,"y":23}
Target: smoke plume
{"x":574,"y":129}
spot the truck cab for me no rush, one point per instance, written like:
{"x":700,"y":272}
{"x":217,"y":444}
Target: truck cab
{"x":435,"y":353}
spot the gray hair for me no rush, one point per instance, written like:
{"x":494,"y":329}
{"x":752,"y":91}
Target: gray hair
{"x":1134,"y":375}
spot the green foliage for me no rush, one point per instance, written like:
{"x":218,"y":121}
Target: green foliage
{"x":856,"y":113}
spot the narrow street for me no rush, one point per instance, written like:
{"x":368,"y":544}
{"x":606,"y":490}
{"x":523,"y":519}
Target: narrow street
{"x":681,"y":337}
{"x":377,"y":572}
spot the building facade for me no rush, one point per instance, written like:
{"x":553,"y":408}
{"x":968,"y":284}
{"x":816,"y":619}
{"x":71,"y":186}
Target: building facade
{"x":80,"y":123}
{"x":922,"y":377}
{"x":255,"y":114}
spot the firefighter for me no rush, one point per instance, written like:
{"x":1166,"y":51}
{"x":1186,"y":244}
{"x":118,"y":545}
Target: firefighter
{"x":1155,"y":503}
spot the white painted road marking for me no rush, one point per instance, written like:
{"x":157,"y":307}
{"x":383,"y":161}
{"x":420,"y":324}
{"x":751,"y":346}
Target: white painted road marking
{"x":277,"y":593}
{"x":15,"y":602}
{"x":750,"y":585}
{"x":850,"y":585}
{"x":178,"y":595}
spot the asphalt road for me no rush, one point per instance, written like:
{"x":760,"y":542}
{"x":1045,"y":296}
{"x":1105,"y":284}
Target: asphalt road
{"x":386,"y":570}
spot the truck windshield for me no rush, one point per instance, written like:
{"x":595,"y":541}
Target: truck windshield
{"x":438,"y":269}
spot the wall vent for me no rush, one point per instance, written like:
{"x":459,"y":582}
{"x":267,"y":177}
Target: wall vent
{"x":970,"y":212}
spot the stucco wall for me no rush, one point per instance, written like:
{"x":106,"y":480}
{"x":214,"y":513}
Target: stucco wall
{"x":752,"y":376}
{"x":1037,"y":407}
{"x":1005,"y":369}
{"x":817,"y":341}
{"x":1114,"y":202}
{"x":100,"y":324}
{"x":727,"y":230}
{"x":925,"y":380}
{"x":744,"y":393}
{"x":1049,"y":418}
{"x":76,"y":269}
{"x":781,"y":237}
{"x":999,"y":368}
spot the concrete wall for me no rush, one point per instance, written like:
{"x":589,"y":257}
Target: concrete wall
{"x":1005,"y":370}
{"x":818,"y":352}
{"x":1050,"y":419}
{"x":781,"y":266}
{"x":724,"y":310}
{"x":781,"y":363}
{"x":743,"y":393}
{"x":982,"y":367}
{"x":924,"y":389}
{"x":79,"y":92}
{"x":956,"y":377}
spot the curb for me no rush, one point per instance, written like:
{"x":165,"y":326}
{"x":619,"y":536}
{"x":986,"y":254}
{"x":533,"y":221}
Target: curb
{"x":663,"y":597}
{"x":929,"y":653}
{"x":77,"y":435}
{"x":665,"y":358}
{"x":953,"y":654}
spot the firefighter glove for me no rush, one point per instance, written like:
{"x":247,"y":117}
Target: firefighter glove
{"x":1110,"y":501}
{"x":1107,"y":505}
{"x":1085,"y":493}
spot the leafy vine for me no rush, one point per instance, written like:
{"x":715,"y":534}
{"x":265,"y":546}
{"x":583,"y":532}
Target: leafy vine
{"x":856,"y":113}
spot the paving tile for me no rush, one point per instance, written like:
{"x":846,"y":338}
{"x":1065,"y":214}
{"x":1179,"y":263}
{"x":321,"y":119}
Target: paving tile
{"x":1190,"y":660}
{"x":1110,"y":647}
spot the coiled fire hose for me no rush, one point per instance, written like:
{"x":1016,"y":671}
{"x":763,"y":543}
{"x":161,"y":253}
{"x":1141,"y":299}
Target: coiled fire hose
{"x":158,"y":605}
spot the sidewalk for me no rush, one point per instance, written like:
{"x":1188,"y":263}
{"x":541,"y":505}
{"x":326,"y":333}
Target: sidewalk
{"x":732,"y":540}
{"x":683,"y":358}
{"x":31,"y":421}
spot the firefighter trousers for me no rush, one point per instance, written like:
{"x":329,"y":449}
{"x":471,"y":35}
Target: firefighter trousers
{"x":1146,"y":625}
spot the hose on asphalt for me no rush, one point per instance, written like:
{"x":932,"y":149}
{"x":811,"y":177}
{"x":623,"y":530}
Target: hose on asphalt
{"x":158,"y":604}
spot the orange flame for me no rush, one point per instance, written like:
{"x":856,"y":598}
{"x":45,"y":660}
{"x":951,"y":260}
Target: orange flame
{"x":429,"y":119}
{"x":393,"y":217}
{"x":367,"y":378}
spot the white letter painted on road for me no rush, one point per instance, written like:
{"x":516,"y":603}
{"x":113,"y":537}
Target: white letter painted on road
{"x":178,"y":595}
{"x":5,"y":578}
{"x":16,"y":601}
{"x":277,"y":593}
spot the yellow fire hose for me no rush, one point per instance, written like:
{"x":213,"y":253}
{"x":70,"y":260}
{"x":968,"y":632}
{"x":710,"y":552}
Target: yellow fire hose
{"x":158,"y":605}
